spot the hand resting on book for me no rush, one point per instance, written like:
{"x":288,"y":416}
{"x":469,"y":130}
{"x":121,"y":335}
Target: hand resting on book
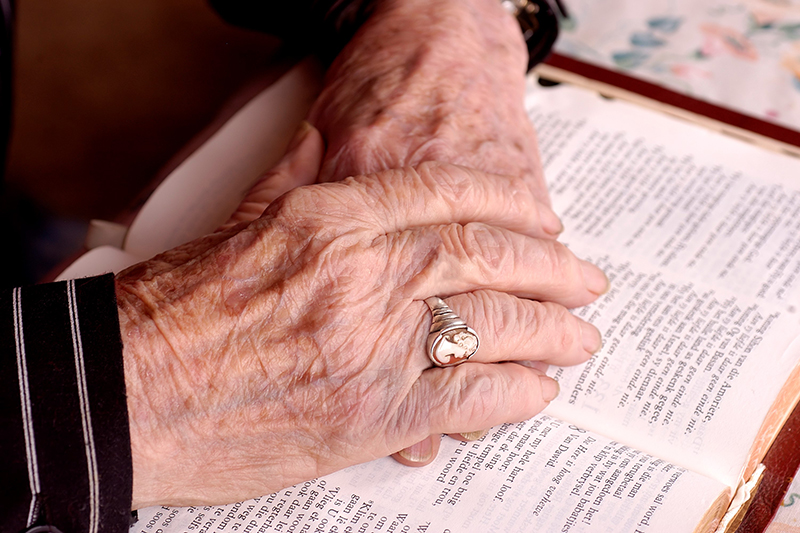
{"x":296,"y":347}
{"x":426,"y":81}
{"x":292,"y":346}
{"x":300,"y":167}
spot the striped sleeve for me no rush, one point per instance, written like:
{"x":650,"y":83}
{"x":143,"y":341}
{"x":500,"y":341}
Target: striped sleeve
{"x":64,"y":442}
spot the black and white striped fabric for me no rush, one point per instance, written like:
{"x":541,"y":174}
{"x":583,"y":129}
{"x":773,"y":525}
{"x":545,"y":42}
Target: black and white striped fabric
{"x":64,"y":441}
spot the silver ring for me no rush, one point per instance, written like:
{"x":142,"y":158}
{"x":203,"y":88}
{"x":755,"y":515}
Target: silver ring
{"x":451,"y":341}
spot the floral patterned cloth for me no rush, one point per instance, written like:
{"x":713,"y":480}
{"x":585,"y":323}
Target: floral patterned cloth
{"x":787,"y":519}
{"x":743,"y":54}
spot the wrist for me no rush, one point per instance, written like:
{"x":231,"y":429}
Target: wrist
{"x":140,"y":350}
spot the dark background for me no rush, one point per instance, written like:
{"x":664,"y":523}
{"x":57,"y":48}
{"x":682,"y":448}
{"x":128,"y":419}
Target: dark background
{"x":105,"y":93}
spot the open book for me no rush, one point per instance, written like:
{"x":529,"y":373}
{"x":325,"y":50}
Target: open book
{"x":700,"y":235}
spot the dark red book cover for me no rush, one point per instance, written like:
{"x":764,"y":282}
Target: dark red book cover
{"x":675,"y":99}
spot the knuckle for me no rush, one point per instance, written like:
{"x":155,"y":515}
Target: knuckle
{"x":485,"y":245}
{"x":319,"y":208}
{"x":557,"y":320}
{"x":361,"y":154}
{"x":294,"y":203}
{"x":447,"y":181}
{"x":450,"y":242}
{"x":436,"y":149}
{"x":471,"y":304}
{"x":519,"y":195}
{"x":478,"y":395}
{"x":559,"y":262}
{"x":501,"y":312}
{"x":430,"y":168}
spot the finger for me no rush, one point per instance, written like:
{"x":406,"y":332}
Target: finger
{"x":458,"y":259}
{"x":462,"y":398}
{"x":421,"y":453}
{"x":432,"y":194}
{"x":515,"y":329}
{"x":365,"y":152}
{"x":299,"y":166}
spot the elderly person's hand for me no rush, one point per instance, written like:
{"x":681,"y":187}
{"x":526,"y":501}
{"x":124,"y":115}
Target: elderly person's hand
{"x":294,"y":345}
{"x":425,"y":81}
{"x":300,"y":166}
{"x":431,"y":81}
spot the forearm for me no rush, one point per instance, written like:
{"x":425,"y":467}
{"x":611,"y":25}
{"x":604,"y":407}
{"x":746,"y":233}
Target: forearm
{"x":433,"y":49}
{"x":466,"y":26}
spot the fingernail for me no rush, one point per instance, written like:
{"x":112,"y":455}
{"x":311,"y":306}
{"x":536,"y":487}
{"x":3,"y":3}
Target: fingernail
{"x":594,"y":278}
{"x":592,"y":340}
{"x":550,"y":221}
{"x":419,"y":452}
{"x":299,"y":134}
{"x":550,"y":388}
{"x":474,"y":435}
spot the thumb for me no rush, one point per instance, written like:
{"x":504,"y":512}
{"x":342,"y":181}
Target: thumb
{"x":299,"y":166}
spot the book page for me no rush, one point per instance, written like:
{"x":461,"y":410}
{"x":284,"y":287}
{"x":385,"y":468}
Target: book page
{"x":539,"y":475}
{"x":680,"y":197}
{"x":99,"y":261}
{"x":700,"y":236}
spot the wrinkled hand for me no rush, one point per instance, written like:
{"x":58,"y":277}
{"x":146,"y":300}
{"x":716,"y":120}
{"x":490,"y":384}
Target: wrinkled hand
{"x":431,"y":81}
{"x":300,"y":166}
{"x":292,"y":346}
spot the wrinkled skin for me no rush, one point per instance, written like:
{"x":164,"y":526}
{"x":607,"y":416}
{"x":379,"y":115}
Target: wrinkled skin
{"x":300,"y":166}
{"x":288,"y":347}
{"x":425,"y":81}
{"x":431,"y":81}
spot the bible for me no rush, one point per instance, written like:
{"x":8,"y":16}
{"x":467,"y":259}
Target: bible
{"x":664,"y":428}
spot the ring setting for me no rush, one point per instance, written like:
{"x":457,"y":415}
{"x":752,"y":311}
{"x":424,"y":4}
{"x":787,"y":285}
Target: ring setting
{"x":451,"y":341}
